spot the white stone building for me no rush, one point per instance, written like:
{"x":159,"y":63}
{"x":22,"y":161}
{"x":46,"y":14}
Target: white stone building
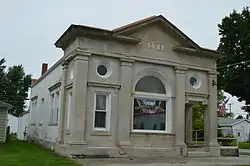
{"x":13,"y":123}
{"x":126,"y":91}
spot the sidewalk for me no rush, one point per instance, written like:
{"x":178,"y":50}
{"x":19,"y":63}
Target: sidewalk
{"x":204,"y":161}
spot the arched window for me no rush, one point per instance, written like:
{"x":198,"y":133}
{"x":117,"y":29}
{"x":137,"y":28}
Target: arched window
{"x":150,"y":103}
{"x":150,"y":84}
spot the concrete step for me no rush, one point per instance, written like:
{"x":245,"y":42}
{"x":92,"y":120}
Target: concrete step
{"x":198,"y":154}
{"x":61,"y":149}
{"x":197,"y":149}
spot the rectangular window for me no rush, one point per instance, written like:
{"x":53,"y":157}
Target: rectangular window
{"x":36,"y":111}
{"x":52,"y":101}
{"x":101,"y":112}
{"x":54,"y":107}
{"x":149,"y":114}
{"x":57,"y":106}
{"x":33,"y":111}
{"x":69,"y":109}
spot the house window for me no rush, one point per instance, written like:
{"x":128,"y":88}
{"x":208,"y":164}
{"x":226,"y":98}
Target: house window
{"x":102,"y":111}
{"x":55,"y":107}
{"x":52,"y":99}
{"x":238,"y":134}
{"x":34,"y":111}
{"x":69,"y":109}
{"x":150,"y":105}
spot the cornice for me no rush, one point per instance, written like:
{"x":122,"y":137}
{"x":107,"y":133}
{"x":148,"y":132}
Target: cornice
{"x":104,"y":85}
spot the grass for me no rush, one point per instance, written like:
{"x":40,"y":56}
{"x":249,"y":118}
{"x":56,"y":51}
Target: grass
{"x":21,"y":153}
{"x":244,"y":145}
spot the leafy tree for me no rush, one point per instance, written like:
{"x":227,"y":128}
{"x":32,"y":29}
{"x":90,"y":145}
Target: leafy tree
{"x":2,"y":67}
{"x":240,"y":117}
{"x":198,"y":117}
{"x":14,"y":87}
{"x":234,"y":68}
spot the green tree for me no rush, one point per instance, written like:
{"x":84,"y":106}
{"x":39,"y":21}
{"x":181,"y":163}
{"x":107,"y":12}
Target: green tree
{"x":2,"y":67}
{"x":198,"y":117}
{"x":234,"y":68}
{"x":14,"y":87}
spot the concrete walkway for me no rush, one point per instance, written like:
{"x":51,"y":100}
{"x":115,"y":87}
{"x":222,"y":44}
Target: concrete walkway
{"x":203,"y":161}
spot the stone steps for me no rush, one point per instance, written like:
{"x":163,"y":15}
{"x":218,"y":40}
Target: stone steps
{"x":198,"y":154}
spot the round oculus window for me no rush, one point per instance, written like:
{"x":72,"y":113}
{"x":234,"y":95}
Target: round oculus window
{"x":193,"y":81}
{"x":102,"y":70}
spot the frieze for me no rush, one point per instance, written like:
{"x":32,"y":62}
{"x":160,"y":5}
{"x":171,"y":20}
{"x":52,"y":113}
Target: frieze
{"x":196,"y":97}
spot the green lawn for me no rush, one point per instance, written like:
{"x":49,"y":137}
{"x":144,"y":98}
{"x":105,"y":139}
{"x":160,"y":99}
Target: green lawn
{"x":20,"y":153}
{"x":244,"y":145}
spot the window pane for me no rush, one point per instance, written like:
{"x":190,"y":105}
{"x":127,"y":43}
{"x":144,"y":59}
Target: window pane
{"x":100,"y":102}
{"x":150,"y":84}
{"x":100,"y":119}
{"x":149,"y":114}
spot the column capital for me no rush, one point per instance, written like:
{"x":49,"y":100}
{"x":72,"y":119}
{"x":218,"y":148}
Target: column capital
{"x":81,"y":58}
{"x":65,"y":64}
{"x":78,"y":52}
{"x":212,"y":74}
{"x":127,"y":62}
{"x":180,"y":70}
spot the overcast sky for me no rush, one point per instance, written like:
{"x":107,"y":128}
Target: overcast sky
{"x":29,"y":28}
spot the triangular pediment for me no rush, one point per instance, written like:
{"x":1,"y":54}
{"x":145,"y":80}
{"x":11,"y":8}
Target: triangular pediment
{"x":153,"y":22}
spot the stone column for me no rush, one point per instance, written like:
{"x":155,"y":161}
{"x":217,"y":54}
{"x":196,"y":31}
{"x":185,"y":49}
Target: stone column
{"x":206,"y":126}
{"x":125,"y":103}
{"x":62,"y":102}
{"x":189,"y":124}
{"x":211,"y":117}
{"x":79,"y":99}
{"x":181,"y":148}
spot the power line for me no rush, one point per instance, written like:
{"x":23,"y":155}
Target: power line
{"x":12,"y":101}
{"x":233,"y":64}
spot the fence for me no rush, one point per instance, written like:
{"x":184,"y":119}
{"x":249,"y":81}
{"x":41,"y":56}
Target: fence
{"x":225,"y":137}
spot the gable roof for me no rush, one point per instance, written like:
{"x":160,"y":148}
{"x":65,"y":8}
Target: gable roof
{"x":5,"y":105}
{"x":119,"y":34}
{"x":153,"y":19}
{"x":227,"y":122}
{"x":82,"y":30}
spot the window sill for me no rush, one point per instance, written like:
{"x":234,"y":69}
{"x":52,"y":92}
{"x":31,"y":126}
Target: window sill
{"x":100,"y":133}
{"x":137,"y":132}
{"x":53,"y":124}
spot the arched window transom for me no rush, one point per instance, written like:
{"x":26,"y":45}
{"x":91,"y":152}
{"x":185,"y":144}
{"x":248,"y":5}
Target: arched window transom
{"x":150,"y":84}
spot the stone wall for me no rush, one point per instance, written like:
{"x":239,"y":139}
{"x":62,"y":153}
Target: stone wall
{"x":229,"y":152}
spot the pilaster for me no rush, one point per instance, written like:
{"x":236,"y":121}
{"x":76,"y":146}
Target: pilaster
{"x":62,"y":102}
{"x":179,"y":116}
{"x":211,"y":116}
{"x":125,"y":102}
{"x":189,"y":124}
{"x":79,"y":99}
